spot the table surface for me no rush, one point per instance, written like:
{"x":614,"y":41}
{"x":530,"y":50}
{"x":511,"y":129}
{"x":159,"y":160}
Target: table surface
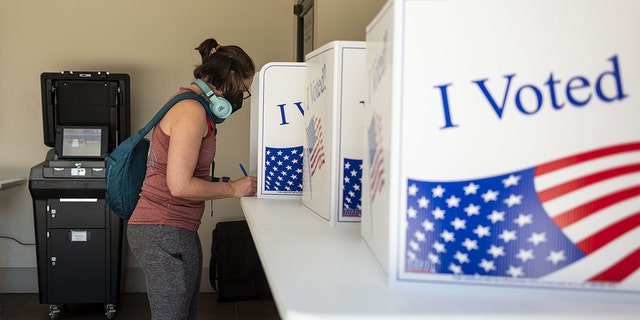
{"x":317,"y":271}
{"x":12,"y":182}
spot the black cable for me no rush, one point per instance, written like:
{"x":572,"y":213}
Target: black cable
{"x":18,"y":241}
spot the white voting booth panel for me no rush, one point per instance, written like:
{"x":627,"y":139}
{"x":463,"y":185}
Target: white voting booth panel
{"x":333,"y":131}
{"x":277,"y":129}
{"x":503,"y":143}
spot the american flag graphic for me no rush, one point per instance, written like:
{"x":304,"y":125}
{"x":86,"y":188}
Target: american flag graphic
{"x":315,"y":144}
{"x":575,"y":219}
{"x":376,"y":158}
{"x":283,"y":169}
{"x":352,"y":188}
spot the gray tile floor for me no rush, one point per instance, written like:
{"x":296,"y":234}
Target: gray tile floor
{"x":133,"y":306}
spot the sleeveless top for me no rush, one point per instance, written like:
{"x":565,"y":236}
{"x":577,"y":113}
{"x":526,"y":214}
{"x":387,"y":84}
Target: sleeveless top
{"x":156,"y":204}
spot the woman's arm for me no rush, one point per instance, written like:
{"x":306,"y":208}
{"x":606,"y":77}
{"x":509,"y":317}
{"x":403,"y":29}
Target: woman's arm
{"x":186,"y":124}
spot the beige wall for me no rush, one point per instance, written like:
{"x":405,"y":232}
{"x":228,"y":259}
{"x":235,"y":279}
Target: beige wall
{"x":333,"y":19}
{"x":152,"y":41}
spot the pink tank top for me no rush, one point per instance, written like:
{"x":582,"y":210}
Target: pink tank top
{"x":156,"y":204}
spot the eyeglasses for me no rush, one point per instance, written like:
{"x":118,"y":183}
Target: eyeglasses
{"x":245,"y":95}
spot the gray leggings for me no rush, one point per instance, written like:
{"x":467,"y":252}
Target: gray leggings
{"x":172,"y":262}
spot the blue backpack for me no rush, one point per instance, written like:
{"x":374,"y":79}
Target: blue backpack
{"x":126,"y":166}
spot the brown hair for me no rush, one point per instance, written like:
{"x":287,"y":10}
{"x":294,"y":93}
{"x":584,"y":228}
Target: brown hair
{"x":224,"y":66}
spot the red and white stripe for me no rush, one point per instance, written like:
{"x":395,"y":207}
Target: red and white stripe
{"x":594,"y":197}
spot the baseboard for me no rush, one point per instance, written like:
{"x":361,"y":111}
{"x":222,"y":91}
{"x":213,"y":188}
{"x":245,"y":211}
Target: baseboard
{"x":25,"y":280}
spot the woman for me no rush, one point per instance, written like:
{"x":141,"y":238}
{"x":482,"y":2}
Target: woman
{"x":163,"y":229}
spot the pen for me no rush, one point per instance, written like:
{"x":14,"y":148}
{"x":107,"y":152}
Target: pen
{"x":243,"y":170}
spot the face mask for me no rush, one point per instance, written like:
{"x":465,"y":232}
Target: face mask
{"x":235,"y":100}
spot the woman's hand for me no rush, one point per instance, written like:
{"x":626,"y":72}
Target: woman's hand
{"x":244,"y":187}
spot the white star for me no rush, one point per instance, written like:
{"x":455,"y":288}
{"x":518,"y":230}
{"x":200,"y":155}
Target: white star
{"x":294,"y":151}
{"x":470,"y":244}
{"x":487,"y":265}
{"x":472,"y":210}
{"x":471,"y":188}
{"x":439,"y":247}
{"x":434,"y":258}
{"x":453,"y":201}
{"x":427,"y":225}
{"x":458,"y":224}
{"x":556,"y":256}
{"x":515,"y":271}
{"x":354,"y":173}
{"x":414,"y":246}
{"x":280,"y":152}
{"x":420,"y":236}
{"x":412,"y":213}
{"x":511,"y":181}
{"x":490,"y":195}
{"x":461,"y":257}
{"x":523,"y":220}
{"x":447,"y":236}
{"x":423,"y":202}
{"x":413,"y":190}
{"x":411,"y":255}
{"x":513,"y":200}
{"x":438,"y":213}
{"x":525,"y":255}
{"x":438,"y":191}
{"x":455,"y":269}
{"x":286,"y":157}
{"x":507,"y":235}
{"x":496,"y":216}
{"x":482,"y":231}
{"x":347,"y":165}
{"x":537,"y":238}
{"x":496,"y":251}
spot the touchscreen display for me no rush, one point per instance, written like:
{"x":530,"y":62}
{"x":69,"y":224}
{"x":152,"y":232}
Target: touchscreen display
{"x":83,"y":142}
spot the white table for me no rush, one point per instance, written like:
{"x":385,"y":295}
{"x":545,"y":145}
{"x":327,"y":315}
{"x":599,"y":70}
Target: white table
{"x":8,"y":183}
{"x":321,"y":272}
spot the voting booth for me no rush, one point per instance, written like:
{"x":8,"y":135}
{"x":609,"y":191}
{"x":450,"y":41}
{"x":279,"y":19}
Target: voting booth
{"x":502,"y":143}
{"x":78,"y":239}
{"x":335,"y":87}
{"x":276,"y":129}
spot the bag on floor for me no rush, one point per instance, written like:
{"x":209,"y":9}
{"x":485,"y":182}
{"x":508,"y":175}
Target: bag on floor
{"x":235,"y":271}
{"x":127,"y":165}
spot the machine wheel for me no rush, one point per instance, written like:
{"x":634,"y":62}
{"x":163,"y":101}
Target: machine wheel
{"x":54,"y":311}
{"x":110,"y":311}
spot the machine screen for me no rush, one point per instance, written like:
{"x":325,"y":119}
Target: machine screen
{"x":83,"y":142}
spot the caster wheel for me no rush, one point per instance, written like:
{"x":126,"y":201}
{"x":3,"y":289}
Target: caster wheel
{"x":110,"y":311}
{"x":54,"y":311}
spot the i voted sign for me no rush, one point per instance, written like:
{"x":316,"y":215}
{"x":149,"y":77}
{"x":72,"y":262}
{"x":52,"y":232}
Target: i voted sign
{"x":335,"y":89}
{"x":503,"y":143}
{"x":277,"y":118}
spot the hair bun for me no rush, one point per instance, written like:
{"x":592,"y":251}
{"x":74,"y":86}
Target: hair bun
{"x":207,"y":47}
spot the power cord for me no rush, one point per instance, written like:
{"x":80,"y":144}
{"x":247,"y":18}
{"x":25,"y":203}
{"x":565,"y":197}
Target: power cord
{"x":18,"y":241}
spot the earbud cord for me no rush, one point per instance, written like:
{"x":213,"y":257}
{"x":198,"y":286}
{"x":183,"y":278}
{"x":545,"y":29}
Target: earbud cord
{"x":213,"y":167}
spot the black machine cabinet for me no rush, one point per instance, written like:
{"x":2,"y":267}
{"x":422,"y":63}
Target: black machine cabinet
{"x":79,"y":240}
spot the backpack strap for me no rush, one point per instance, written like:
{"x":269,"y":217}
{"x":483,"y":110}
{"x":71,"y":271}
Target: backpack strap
{"x":183,"y":96}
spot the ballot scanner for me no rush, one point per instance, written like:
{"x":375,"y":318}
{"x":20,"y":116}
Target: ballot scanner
{"x":78,"y":239}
